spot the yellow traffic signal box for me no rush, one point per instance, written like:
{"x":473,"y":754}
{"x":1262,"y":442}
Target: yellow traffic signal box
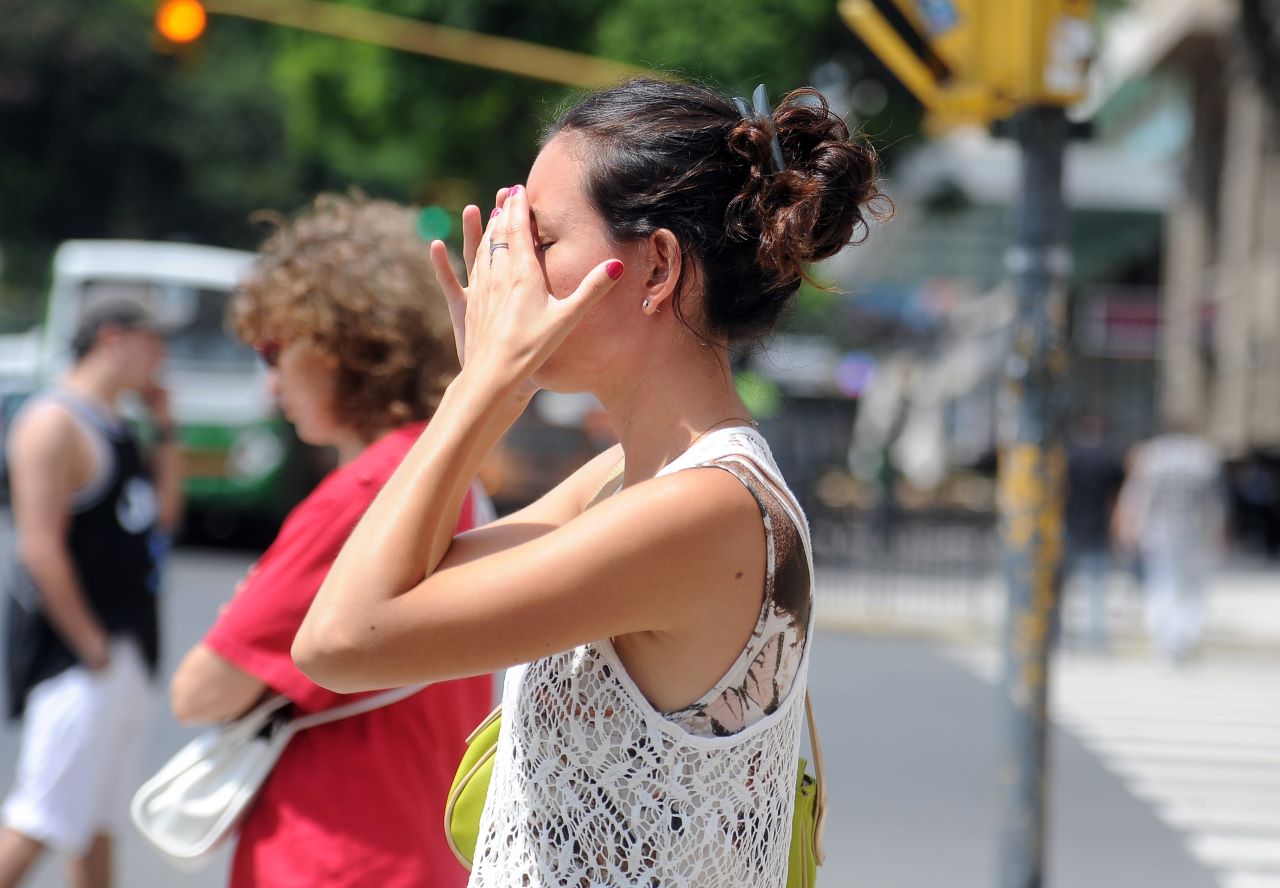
{"x":979,"y":60}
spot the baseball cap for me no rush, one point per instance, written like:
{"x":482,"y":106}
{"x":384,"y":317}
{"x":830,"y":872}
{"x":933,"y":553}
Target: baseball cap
{"x":113,"y":311}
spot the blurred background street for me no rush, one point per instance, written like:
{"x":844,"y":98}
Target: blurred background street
{"x":134,"y":159}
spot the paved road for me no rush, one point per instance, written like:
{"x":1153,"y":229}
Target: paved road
{"x":910,"y":730}
{"x":1200,"y":744}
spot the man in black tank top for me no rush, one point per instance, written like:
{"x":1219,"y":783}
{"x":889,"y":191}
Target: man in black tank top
{"x":82,"y":633}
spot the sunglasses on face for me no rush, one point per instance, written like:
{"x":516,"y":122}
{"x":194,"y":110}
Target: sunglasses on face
{"x":269,"y":351}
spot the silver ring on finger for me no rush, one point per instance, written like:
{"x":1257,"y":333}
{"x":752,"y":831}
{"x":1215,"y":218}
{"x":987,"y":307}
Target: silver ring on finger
{"x":499,"y":245}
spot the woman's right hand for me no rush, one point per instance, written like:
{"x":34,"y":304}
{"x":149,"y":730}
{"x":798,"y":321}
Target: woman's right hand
{"x":455,"y":295}
{"x":506,"y":320}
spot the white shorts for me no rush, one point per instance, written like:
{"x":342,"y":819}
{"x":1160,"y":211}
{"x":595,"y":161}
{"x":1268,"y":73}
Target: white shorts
{"x":81,"y":738}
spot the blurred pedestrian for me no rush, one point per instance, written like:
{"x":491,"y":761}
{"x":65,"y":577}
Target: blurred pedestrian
{"x":1171,"y":511}
{"x":1095,"y":473}
{"x":659,"y":637}
{"x":343,"y":308}
{"x":82,"y":633}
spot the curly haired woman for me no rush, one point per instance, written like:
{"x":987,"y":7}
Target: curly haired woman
{"x":343,"y":309}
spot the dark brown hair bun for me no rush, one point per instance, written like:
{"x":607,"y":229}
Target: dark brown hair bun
{"x":681,"y":157}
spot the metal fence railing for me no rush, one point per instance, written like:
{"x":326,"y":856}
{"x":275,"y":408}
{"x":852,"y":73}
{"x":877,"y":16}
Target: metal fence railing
{"x":926,"y":566}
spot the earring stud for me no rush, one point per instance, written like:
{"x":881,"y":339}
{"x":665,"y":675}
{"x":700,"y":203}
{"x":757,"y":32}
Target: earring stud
{"x":645,"y":304}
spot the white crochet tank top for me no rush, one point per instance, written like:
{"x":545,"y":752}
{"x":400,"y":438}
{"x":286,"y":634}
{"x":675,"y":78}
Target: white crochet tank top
{"x":592,"y":786}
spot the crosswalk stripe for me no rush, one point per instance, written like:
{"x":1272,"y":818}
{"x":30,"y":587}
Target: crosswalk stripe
{"x":1239,"y":879}
{"x":1200,"y":745}
{"x":1237,"y":852}
{"x":1184,"y":752}
{"x":1201,"y":773}
{"x":1218,"y":818}
{"x":1200,"y":734}
{"x":1240,"y":797}
{"x":1120,"y":714}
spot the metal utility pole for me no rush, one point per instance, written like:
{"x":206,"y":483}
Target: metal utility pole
{"x":981,"y":61}
{"x":1031,"y":479}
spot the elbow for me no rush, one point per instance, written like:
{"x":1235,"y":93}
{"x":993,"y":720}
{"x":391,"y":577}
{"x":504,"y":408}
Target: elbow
{"x":185,"y":715}
{"x":185,"y":704}
{"x":39,"y":552}
{"x":331,"y":656}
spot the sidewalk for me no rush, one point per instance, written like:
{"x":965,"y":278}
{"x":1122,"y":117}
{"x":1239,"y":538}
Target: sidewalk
{"x":1243,"y":605}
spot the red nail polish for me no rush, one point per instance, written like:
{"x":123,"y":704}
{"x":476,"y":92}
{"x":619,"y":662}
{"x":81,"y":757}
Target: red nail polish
{"x":613,"y":269}
{"x":494,"y":214}
{"x":515,"y":189}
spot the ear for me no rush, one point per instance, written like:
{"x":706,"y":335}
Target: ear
{"x":664,"y":269}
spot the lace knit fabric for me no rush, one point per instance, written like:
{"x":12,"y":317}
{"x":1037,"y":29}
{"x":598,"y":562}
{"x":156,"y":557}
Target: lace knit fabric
{"x":594,"y":787}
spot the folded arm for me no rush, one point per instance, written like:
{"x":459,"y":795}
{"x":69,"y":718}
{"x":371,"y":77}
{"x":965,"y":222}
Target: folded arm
{"x":665,"y":556}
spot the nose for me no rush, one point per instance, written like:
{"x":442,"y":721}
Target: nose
{"x":273,"y":383}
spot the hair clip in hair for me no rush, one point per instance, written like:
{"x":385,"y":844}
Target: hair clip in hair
{"x":764,"y":112}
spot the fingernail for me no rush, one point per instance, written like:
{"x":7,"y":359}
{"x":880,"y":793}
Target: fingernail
{"x":496,"y":211}
{"x":613,"y":269}
{"x":515,"y":189}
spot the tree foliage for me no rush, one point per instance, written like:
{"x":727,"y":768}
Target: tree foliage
{"x":104,"y":133}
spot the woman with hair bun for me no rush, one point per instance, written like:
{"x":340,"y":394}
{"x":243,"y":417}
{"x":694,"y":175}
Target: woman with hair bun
{"x":653,"y":610}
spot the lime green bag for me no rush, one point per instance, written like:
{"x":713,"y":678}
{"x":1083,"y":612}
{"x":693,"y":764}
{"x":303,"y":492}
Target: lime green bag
{"x":465,"y":802}
{"x":470,"y":788}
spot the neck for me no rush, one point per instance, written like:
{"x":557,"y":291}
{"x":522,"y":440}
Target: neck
{"x":350,"y":443}
{"x":669,"y":404}
{"x":94,"y":381}
{"x":349,"y":446}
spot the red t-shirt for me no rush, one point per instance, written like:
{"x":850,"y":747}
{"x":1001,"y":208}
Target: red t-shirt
{"x":357,"y":802}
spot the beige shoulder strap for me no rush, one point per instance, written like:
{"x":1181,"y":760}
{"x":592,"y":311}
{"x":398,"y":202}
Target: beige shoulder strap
{"x":610,"y":485}
{"x":820,"y":778}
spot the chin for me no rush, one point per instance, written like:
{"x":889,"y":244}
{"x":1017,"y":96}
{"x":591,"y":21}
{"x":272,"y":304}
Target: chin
{"x":307,"y":436}
{"x":557,"y":379}
{"x":572,"y":370}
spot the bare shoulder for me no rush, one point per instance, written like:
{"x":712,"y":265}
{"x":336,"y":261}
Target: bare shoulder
{"x":700,"y":502}
{"x":44,"y":433}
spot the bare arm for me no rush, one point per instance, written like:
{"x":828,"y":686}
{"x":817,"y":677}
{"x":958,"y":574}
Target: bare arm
{"x":669,"y":555}
{"x":45,"y":462}
{"x":207,"y":688}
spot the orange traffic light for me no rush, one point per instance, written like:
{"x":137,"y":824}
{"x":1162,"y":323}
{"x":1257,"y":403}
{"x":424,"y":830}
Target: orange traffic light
{"x":181,"y":21}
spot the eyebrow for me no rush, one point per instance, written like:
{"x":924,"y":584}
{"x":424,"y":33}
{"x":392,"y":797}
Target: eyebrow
{"x":547,"y":218}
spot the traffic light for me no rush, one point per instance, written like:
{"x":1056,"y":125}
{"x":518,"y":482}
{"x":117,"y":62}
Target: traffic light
{"x":181,"y":22}
{"x":979,"y":60}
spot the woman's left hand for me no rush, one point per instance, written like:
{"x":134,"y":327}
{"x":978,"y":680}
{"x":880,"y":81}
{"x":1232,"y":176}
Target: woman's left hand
{"x":512,"y":324}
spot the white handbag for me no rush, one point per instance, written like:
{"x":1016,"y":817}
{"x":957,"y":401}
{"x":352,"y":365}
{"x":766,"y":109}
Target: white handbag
{"x":195,"y":802}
